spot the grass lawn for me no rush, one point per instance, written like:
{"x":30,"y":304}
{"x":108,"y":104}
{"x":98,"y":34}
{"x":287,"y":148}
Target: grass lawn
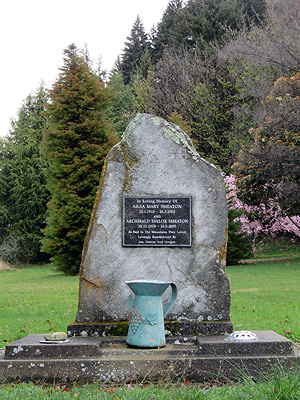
{"x":265,"y":296}
{"x":35,"y":299}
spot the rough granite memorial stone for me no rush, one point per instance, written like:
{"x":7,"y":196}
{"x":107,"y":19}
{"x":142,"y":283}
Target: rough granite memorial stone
{"x":160,"y":214}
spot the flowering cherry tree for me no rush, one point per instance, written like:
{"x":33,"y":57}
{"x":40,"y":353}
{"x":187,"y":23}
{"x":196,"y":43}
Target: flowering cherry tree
{"x":264,"y":219}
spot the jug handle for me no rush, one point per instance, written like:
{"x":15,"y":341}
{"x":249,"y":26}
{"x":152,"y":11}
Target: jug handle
{"x":172,"y":299}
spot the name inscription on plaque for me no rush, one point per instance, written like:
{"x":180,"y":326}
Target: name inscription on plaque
{"x":157,"y":221}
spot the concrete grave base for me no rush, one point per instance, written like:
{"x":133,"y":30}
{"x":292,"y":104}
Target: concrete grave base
{"x":95,"y":359}
{"x":175,"y":327}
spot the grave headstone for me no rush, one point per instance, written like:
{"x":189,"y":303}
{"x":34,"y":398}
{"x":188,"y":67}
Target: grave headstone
{"x":160,"y":214}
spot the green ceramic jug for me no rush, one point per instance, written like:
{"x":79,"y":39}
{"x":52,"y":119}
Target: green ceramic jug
{"x":146,"y":323}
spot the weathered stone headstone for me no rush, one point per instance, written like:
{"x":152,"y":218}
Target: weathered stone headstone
{"x":160,"y":214}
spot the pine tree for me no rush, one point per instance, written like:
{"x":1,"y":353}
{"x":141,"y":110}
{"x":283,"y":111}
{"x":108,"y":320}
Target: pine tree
{"x":135,"y":47}
{"x":120,"y":111}
{"x":167,"y":28}
{"x":206,"y":20}
{"x":75,"y":143}
{"x":239,"y":245}
{"x":23,"y":194}
{"x":202,"y":21}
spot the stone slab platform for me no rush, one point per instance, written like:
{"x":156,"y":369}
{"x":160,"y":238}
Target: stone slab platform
{"x":175,"y":327}
{"x":90,"y":359}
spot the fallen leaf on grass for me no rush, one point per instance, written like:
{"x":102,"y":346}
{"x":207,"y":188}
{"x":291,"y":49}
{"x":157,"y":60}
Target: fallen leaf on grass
{"x":111,"y":390}
{"x":187,"y":382}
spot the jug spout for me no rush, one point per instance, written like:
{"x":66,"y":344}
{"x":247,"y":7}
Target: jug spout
{"x":147,"y":287}
{"x":146,"y":323}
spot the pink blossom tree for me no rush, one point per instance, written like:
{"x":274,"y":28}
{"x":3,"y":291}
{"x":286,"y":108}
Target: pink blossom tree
{"x":264,"y":219}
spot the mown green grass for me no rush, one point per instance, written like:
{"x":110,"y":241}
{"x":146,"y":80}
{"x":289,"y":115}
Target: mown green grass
{"x":35,"y":299}
{"x":265,"y":296}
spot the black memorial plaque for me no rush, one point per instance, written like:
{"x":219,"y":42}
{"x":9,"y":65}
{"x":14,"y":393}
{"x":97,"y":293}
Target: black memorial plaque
{"x":157,"y":221}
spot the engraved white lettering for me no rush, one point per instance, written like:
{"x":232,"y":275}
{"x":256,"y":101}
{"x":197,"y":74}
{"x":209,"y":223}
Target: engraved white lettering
{"x":157,"y":221}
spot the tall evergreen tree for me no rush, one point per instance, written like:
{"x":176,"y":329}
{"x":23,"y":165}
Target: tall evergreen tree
{"x":120,"y":111}
{"x":135,"y":47}
{"x":208,"y":19}
{"x":75,"y":144}
{"x":202,"y":21}
{"x":23,"y":194}
{"x":167,"y":28}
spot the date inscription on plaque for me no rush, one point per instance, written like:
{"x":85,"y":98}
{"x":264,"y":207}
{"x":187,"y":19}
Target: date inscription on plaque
{"x":157,"y":221}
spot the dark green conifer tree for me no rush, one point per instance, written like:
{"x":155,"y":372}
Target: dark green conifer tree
{"x":135,"y":47}
{"x":75,"y":143}
{"x":254,"y":10}
{"x":203,"y":21}
{"x":120,"y":111}
{"x":206,"y":21}
{"x":23,"y":194}
{"x":167,"y":29}
{"x":238,"y":245}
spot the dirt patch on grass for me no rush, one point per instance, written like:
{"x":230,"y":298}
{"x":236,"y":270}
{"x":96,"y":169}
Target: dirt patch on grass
{"x":4,"y":266}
